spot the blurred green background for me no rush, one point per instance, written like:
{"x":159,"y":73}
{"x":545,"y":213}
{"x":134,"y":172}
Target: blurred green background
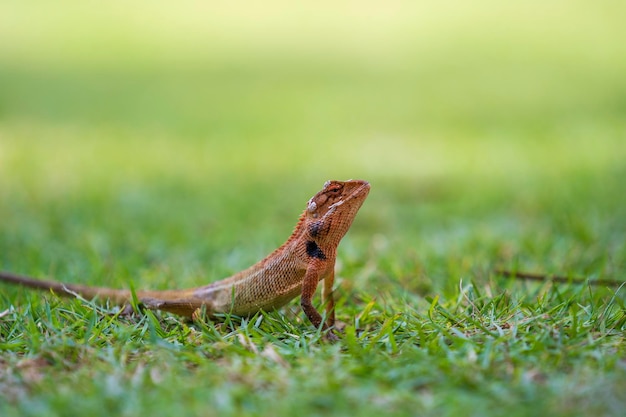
{"x":222,"y":120}
{"x":410,"y":91}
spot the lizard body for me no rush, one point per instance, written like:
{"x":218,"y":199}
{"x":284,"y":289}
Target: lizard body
{"x":295,"y":268}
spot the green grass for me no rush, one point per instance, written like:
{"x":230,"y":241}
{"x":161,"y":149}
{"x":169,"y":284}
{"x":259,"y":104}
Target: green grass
{"x":165,"y":146}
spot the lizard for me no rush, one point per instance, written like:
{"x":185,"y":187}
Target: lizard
{"x":295,"y":268}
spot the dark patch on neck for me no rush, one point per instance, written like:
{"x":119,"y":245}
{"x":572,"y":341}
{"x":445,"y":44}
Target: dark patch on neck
{"x":314,"y":251}
{"x":315,"y":228}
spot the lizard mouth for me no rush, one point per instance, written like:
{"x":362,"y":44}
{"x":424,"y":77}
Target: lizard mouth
{"x":362,"y":190}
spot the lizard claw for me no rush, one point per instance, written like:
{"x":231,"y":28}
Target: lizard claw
{"x":330,"y":336}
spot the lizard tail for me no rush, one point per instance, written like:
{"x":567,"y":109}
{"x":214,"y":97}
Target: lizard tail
{"x":69,"y":290}
{"x":181,"y":302}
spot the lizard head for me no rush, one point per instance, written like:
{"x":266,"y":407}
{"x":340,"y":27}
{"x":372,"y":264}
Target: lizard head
{"x":331,"y":211}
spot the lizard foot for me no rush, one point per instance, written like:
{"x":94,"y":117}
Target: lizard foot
{"x":330,"y":336}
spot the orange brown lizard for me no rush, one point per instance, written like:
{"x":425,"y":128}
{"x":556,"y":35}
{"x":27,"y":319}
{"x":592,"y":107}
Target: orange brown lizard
{"x":295,"y":268}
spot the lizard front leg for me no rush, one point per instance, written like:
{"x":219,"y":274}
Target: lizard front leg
{"x":309,"y":285}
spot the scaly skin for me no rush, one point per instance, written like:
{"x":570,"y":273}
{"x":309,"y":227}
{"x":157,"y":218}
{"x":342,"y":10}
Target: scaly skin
{"x":306,"y":258}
